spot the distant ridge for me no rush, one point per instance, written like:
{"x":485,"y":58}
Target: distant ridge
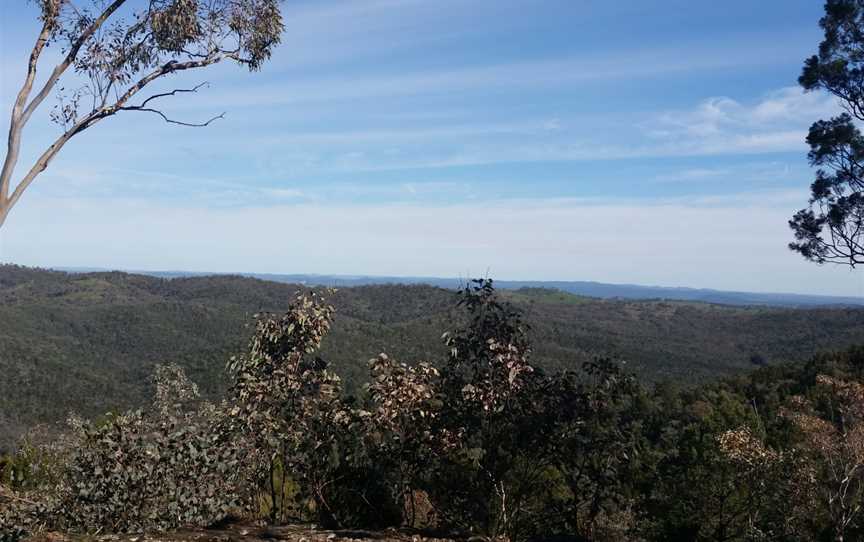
{"x":65,"y":335}
{"x":583,"y":288}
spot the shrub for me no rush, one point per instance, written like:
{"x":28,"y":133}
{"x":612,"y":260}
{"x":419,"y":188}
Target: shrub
{"x":149,"y":469}
{"x":291,"y":408}
{"x":404,"y":405}
{"x":484,"y":443}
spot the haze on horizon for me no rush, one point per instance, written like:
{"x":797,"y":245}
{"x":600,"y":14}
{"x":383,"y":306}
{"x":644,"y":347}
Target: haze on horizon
{"x":618,"y":144}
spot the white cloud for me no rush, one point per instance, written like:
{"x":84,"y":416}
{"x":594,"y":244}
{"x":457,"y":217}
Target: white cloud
{"x":775,"y":123}
{"x":282,"y":193}
{"x":793,"y":104}
{"x":552,"y":124}
{"x":754,"y":174}
{"x":731,"y":242}
{"x":415,"y":135}
{"x":718,"y":126}
{"x":778,"y":122}
{"x":513,"y":75}
{"x":694,"y":174}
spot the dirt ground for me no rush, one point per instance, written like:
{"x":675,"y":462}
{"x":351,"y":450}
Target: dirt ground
{"x":245,"y":532}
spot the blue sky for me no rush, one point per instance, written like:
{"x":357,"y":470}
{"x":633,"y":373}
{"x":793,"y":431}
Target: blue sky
{"x":634,"y":141}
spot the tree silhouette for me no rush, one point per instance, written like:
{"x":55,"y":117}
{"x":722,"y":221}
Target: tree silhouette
{"x":831,"y":229}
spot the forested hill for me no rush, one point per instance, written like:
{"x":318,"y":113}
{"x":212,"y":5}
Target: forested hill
{"x":87,"y":342}
{"x":581,"y":288}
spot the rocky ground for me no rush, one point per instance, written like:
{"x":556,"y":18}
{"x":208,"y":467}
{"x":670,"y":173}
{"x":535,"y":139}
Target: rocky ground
{"x":246,"y":532}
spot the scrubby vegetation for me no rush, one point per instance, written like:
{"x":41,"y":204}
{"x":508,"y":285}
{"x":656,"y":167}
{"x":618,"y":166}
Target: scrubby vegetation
{"x":482,"y":442}
{"x":88,"y":342}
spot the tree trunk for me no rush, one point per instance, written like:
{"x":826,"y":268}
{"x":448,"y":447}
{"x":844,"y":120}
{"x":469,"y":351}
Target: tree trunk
{"x":4,"y":212}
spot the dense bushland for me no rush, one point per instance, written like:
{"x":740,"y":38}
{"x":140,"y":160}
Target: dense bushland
{"x":88,"y":342}
{"x":480,"y":442}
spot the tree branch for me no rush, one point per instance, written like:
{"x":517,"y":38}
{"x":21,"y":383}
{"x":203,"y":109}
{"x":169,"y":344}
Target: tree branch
{"x":99,"y":114}
{"x":124,"y":61}
{"x":70,"y":58}
{"x":168,"y":67}
{"x":14,"y":143}
{"x":43,"y":162}
{"x":172,"y":93}
{"x":172,"y":121}
{"x":143,"y":107}
{"x":21,"y":114}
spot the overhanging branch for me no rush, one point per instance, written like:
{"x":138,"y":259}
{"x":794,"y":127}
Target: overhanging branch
{"x":173,"y":92}
{"x":172,"y":121}
{"x":143,"y":107}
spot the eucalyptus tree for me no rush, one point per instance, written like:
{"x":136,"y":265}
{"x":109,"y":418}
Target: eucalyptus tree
{"x":112,"y":50}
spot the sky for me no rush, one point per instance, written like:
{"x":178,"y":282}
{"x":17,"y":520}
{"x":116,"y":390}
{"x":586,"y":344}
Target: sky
{"x":628,"y":141}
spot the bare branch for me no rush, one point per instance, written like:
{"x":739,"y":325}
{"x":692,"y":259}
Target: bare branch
{"x":143,"y":107}
{"x":46,"y":157}
{"x":9,"y":494}
{"x":169,"y":67}
{"x":104,"y":112}
{"x":172,"y":121}
{"x":172,"y":93}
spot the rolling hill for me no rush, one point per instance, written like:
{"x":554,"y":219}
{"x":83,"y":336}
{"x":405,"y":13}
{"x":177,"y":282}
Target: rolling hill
{"x":88,"y":341}
{"x":582,"y":288}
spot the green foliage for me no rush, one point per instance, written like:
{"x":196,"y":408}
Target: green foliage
{"x":64,"y":335}
{"x":522,"y":453}
{"x":291,"y":408}
{"x":481,"y":443}
{"x":830,"y":230}
{"x":404,"y":408}
{"x":160,"y":468}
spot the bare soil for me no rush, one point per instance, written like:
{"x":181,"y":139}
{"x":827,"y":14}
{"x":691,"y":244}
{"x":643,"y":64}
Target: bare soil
{"x":248,"y":532}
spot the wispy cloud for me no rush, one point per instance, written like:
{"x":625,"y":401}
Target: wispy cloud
{"x":280,"y":194}
{"x":777,"y":122}
{"x":310,"y":163}
{"x":387,"y":129}
{"x":513,"y":76}
{"x":695,"y":174}
{"x":731,"y":243}
{"x":756,"y":173}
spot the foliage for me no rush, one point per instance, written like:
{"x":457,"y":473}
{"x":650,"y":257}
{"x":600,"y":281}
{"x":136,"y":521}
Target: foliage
{"x":832,"y":228}
{"x":63,"y":335}
{"x":116,"y":49}
{"x":596,"y":447}
{"x":487,"y":389}
{"x":529,"y":453}
{"x":404,"y":409}
{"x":156,"y":469}
{"x":835,"y":443}
{"x":481,"y":443}
{"x":290,"y":406}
